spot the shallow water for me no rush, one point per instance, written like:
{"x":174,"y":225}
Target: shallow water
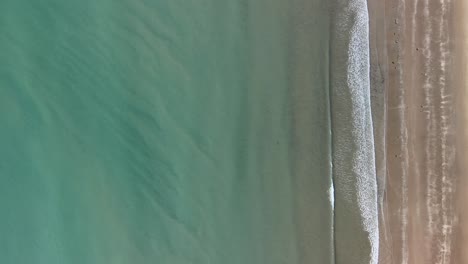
{"x":178,"y":132}
{"x":136,"y":131}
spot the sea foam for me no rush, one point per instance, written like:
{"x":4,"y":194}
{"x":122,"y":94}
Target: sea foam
{"x":354,"y":173}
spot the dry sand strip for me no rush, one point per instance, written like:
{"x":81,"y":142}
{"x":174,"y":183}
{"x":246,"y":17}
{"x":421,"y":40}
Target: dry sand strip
{"x":461,"y":62}
{"x":420,"y":213}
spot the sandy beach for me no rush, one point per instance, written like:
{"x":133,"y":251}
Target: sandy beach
{"x":461,"y":9}
{"x":419,"y":216}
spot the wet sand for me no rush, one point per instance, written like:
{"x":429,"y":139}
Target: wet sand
{"x":418,"y":212}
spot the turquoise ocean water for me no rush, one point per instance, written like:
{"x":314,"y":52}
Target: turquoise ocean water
{"x":165,"y":132}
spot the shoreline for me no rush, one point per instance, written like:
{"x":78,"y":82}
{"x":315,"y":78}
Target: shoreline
{"x":378,"y":83}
